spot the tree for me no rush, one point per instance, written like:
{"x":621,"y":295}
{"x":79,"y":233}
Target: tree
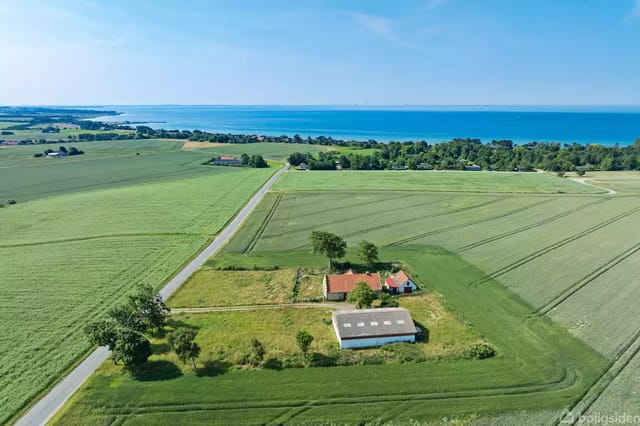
{"x":126,"y":316}
{"x":362,"y":295}
{"x":245,"y":159}
{"x":131,"y":347}
{"x":386,"y":301}
{"x":328,"y":244}
{"x":304,"y":339}
{"x":102,"y":333}
{"x":150,"y":308}
{"x":182,"y":342}
{"x":580,"y":172}
{"x":368,"y":252}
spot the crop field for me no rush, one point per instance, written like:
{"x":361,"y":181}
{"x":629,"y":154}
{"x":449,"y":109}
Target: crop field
{"x":67,"y":259}
{"x":431,"y":181}
{"x":59,"y":176}
{"x":274,"y":151}
{"x":539,"y":367}
{"x":573,"y":257}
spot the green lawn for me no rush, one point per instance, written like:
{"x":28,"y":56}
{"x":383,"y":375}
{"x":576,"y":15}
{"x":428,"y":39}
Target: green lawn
{"x":431,"y":181}
{"x":210,"y":287}
{"x":540,"y":367}
{"x":67,"y":259}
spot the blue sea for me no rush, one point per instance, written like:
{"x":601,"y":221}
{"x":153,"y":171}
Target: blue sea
{"x":605,"y":125}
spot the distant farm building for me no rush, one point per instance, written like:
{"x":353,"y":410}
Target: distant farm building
{"x":303,"y":166}
{"x":227,"y":160}
{"x":336,"y":287}
{"x":424,"y":166}
{"x":364,"y":328}
{"x":473,"y":168}
{"x":400,"y":283}
{"x":56,"y":154}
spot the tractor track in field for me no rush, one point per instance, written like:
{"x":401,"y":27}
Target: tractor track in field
{"x":528,"y":227}
{"x":265,"y":222}
{"x":104,"y":237}
{"x":551,"y":247}
{"x":586,"y":280}
{"x":467,"y":224}
{"x":624,"y":356}
{"x":413,"y":219}
{"x":294,"y":408}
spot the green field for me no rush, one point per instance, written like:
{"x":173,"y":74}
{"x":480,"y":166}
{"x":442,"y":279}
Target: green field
{"x":509,"y":252}
{"x":105,"y":165}
{"x":66,"y":259}
{"x":431,"y":181}
{"x":274,"y":151}
{"x":540,"y":367}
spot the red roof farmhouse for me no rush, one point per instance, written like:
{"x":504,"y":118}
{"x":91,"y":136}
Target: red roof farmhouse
{"x":400,"y":283}
{"x":336,"y":287}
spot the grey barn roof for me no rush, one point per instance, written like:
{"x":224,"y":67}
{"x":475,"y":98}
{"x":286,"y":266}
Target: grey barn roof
{"x":380,"y":322}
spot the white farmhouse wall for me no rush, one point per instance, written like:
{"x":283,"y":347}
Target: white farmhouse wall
{"x":374,"y":341}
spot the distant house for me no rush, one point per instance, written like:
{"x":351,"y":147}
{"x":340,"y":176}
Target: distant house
{"x":424,"y":166}
{"x":336,"y":287}
{"x":400,"y":283}
{"x":363,"y":328}
{"x":303,"y":166}
{"x":227,"y":160}
{"x":58,"y":154}
{"x":10,"y":143}
{"x":473,"y":168}
{"x":398,"y":167}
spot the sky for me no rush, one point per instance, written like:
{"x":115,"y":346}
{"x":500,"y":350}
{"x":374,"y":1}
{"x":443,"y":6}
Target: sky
{"x":321,"y":52}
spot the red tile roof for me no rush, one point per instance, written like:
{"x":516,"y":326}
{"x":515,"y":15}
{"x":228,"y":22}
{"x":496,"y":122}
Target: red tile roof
{"x":347,"y":282}
{"x":397,"y":279}
{"x":227,"y":157}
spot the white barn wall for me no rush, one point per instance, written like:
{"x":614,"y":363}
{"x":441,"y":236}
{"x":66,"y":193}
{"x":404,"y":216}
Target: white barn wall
{"x":374,"y":341}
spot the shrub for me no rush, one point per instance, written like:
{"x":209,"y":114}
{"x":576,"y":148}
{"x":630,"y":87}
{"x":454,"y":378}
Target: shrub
{"x":403,"y":352}
{"x":479,"y":350}
{"x":317,"y":359}
{"x":272,"y":363}
{"x":371,"y":360}
{"x":11,"y":202}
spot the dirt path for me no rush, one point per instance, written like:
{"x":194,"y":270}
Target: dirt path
{"x":584,"y":182}
{"x":340,"y":306}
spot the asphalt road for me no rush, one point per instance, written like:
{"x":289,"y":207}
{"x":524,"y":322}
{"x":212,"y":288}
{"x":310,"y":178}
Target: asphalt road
{"x":46,"y":407}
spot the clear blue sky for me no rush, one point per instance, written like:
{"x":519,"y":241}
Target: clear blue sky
{"x":320,"y":52}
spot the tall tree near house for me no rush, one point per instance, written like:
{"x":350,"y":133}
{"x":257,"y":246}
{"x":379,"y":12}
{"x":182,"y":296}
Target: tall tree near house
{"x":368,"y":252}
{"x":362,"y":295}
{"x":304,"y":339}
{"x":150,"y":307}
{"x":328,"y":244}
{"x":182,"y":341}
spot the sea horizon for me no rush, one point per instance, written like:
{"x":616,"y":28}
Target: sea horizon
{"x":584,"y":124}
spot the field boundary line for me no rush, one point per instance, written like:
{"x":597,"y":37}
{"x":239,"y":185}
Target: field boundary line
{"x":265,"y":222}
{"x":586,"y":280}
{"x":467,"y":224}
{"x":625,"y":355}
{"x":528,"y":227}
{"x":541,"y":252}
{"x":49,"y":404}
{"x":104,"y":237}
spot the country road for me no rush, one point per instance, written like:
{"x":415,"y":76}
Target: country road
{"x":46,"y":407}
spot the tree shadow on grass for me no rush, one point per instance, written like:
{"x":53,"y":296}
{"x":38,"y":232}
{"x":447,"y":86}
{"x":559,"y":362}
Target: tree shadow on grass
{"x":160,"y":348}
{"x":156,"y":370}
{"x":212,"y":368}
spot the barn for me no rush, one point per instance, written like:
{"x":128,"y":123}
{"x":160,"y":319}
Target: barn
{"x":365,"y":328}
